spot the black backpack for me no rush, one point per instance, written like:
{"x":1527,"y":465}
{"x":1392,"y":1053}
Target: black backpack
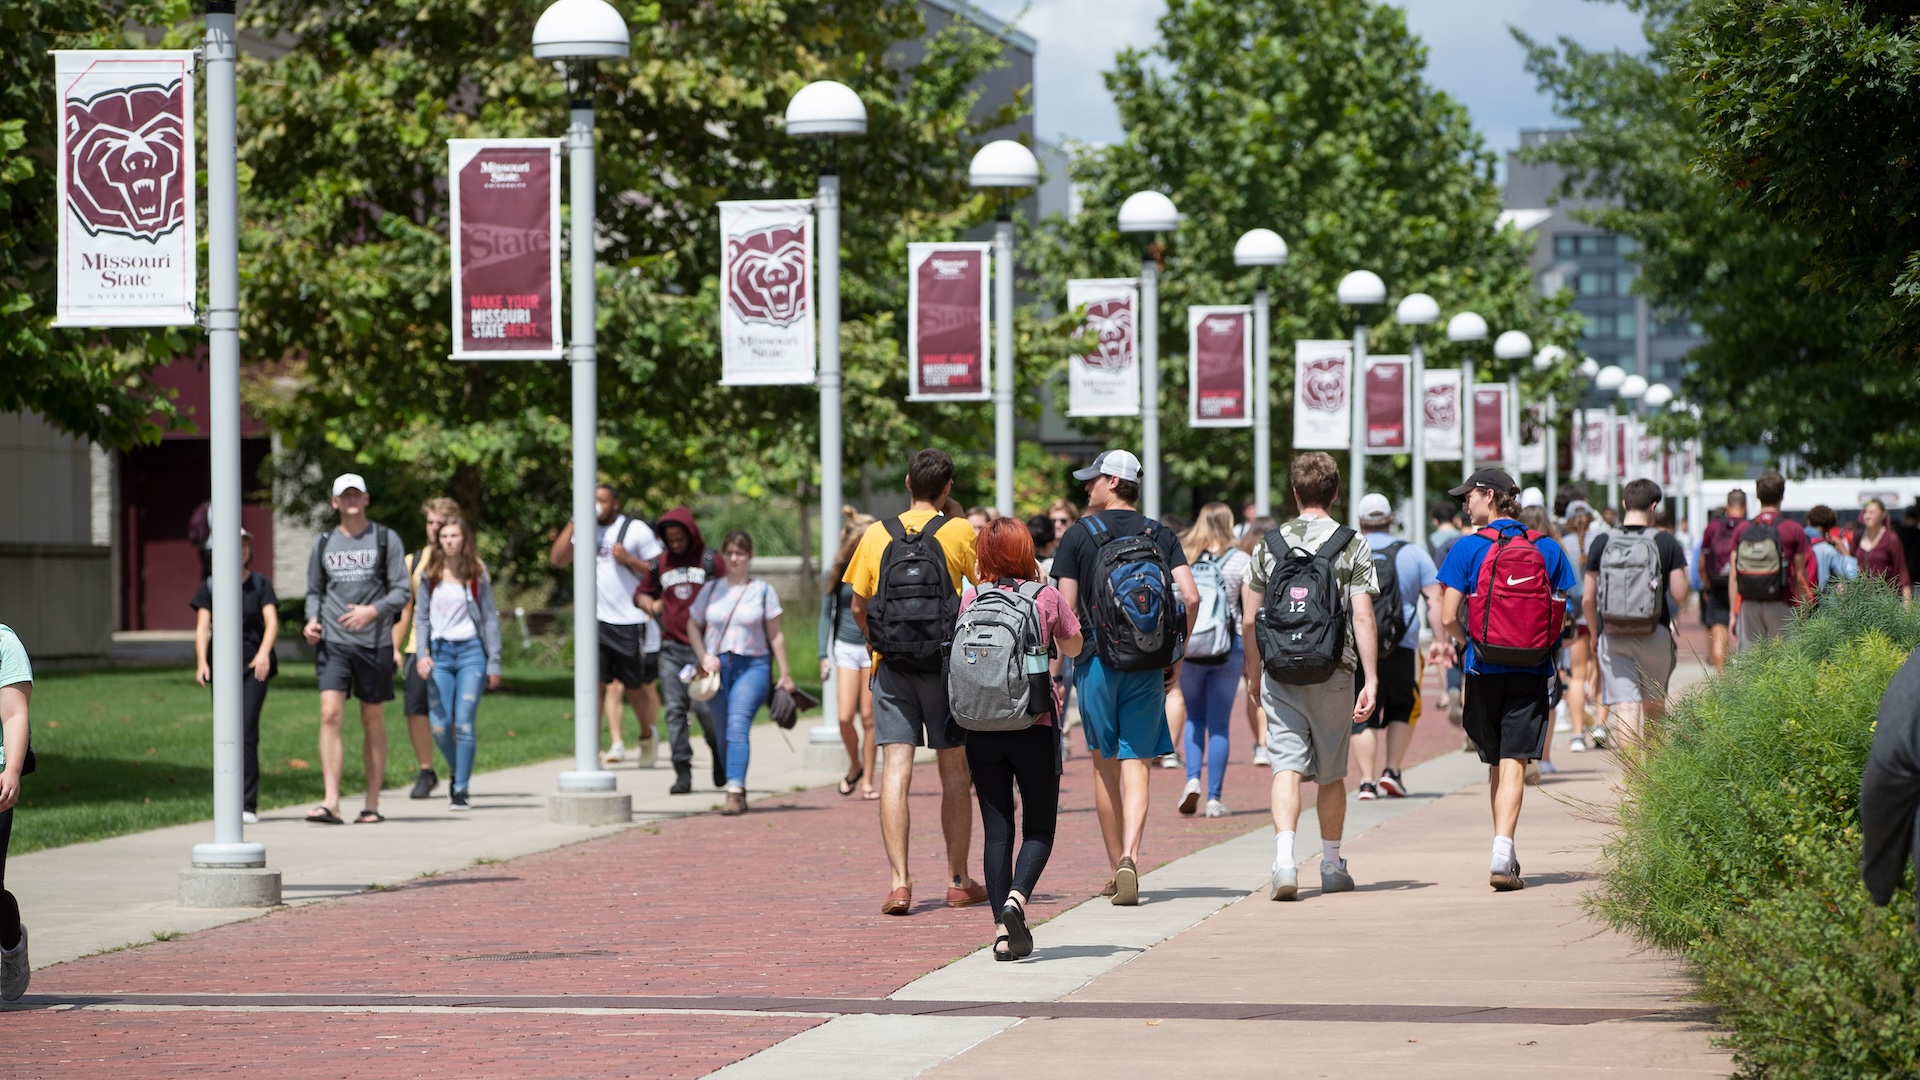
{"x":911,"y":616}
{"x":1139,"y":620}
{"x":1302,"y":629}
{"x":1388,"y":612}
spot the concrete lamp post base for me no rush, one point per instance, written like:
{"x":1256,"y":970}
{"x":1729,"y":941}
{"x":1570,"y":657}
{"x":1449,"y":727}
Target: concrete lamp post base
{"x":590,"y":808}
{"x":825,"y":751}
{"x":229,"y":887}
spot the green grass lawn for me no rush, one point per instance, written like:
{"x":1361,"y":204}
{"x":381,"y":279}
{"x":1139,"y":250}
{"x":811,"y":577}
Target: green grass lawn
{"x":127,"y":749}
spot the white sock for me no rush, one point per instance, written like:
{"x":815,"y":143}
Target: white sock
{"x":1283,"y":849}
{"x":1502,"y":853}
{"x":1330,"y":851}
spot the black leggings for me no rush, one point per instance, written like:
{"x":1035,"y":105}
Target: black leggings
{"x":999,"y":760}
{"x":9,"y":908}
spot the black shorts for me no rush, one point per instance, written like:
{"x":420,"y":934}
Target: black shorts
{"x":621,"y":660}
{"x":415,"y":692}
{"x":359,"y":671}
{"x":1399,"y":688}
{"x":1713,"y":606}
{"x":1507,"y":716}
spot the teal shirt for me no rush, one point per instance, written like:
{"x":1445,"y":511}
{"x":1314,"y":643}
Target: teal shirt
{"x":14,"y":668}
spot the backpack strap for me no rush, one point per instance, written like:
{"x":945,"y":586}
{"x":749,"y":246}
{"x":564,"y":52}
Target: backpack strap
{"x":1096,"y":528}
{"x":896,"y":528}
{"x":1335,"y":544}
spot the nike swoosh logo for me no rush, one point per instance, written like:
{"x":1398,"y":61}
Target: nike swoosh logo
{"x":1511,"y":580}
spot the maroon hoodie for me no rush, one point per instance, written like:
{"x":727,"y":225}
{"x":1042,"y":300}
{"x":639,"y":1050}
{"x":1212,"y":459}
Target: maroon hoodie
{"x":677,"y":578}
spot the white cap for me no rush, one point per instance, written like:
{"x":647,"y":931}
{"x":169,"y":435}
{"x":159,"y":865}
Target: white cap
{"x":348,"y":481}
{"x":1532,"y":497}
{"x":1116,"y":463}
{"x":1375,"y":509}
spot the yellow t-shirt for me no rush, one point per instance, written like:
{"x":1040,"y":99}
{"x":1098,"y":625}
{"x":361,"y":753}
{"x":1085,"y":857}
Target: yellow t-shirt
{"x":416,"y":565}
{"x":955,"y":539}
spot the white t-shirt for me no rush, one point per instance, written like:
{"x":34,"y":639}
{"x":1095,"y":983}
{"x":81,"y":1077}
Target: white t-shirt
{"x":615,"y":582}
{"x":451,"y":621}
{"x":736,"y":616}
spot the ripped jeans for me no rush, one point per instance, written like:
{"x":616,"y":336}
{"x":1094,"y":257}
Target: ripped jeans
{"x":459,"y":678}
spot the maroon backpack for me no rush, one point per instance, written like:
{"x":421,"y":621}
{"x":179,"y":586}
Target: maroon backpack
{"x":1513,"y":616}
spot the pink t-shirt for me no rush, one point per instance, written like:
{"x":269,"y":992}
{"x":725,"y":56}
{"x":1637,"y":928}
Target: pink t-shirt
{"x":1056,"y":621}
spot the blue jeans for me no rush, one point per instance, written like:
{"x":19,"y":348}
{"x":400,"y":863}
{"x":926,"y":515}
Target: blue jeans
{"x":459,"y":678}
{"x":744,"y":683}
{"x":1210,"y":693}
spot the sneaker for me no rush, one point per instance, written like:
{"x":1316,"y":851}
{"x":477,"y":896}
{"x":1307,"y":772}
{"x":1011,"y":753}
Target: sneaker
{"x":647,"y":756}
{"x":1548,"y":768}
{"x":15,"y":972}
{"x":1109,"y":888}
{"x":1216,"y":808}
{"x":424,"y":784}
{"x":1532,"y":778}
{"x":1286,"y":883}
{"x":1126,"y":885}
{"x":1260,"y":756}
{"x":1391,"y":784}
{"x":1454,"y":715}
{"x":614,"y":755}
{"x":457,"y":800}
{"x":1600,"y":738}
{"x":1335,"y":878}
{"x":1171,"y":761}
{"x":1367,"y":793}
{"x":248,"y":817}
{"x":1508,"y":880}
{"x":1190,"y":796}
{"x":1562,"y":720}
{"x":1577,"y":745}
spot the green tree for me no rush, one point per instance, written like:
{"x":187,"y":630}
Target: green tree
{"x":1312,"y":118}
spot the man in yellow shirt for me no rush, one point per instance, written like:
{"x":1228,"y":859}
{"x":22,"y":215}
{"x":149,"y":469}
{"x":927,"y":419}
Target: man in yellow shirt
{"x":908,"y":613}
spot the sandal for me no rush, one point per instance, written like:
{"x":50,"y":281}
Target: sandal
{"x":1019,"y":938}
{"x":853,"y":778}
{"x":999,"y":953}
{"x":870,"y":795}
{"x":320,"y":815}
{"x":369,"y":817}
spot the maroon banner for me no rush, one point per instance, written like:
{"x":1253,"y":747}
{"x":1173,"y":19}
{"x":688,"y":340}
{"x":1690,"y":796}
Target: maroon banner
{"x":1389,"y":424}
{"x":505,"y":201}
{"x":1219,"y":366}
{"x":1490,"y":424}
{"x":948,"y":347}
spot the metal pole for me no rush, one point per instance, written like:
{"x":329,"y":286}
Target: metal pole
{"x":1003,"y":364}
{"x":826,"y":208}
{"x":1616,"y":454}
{"x":1150,"y":387}
{"x":1551,"y":432}
{"x":229,"y":847}
{"x":1357,"y":439}
{"x":1417,"y":517}
{"x":587,"y":775}
{"x":1467,"y":432}
{"x":1513,"y":414}
{"x":1577,"y":445}
{"x":1262,"y":407}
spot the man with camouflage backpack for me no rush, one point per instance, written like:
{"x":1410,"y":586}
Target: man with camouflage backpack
{"x":1636,"y":583}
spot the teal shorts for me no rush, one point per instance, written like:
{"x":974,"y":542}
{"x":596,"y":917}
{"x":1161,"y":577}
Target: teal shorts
{"x":1124,"y":712}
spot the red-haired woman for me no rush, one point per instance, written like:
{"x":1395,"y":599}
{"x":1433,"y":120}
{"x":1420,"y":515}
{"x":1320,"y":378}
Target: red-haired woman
{"x":1028,"y":758}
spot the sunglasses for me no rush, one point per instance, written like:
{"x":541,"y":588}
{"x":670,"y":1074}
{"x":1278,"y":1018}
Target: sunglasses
{"x":1062,"y":521}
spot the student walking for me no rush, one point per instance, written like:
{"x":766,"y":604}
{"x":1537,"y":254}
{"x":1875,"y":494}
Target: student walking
{"x":736,"y":634}
{"x":1636,"y":587}
{"x":16,"y":761}
{"x":1402,"y":573}
{"x":1581,"y":667}
{"x":1256,"y":531}
{"x":1127,"y":579}
{"x":1311,"y":624}
{"x":416,"y":692}
{"x":844,"y":648}
{"x":1512,"y":583}
{"x":1210,"y":677}
{"x":461,"y":627}
{"x":666,"y":593}
{"x":1002,"y":695}
{"x":356,"y":586}
{"x":1878,"y":551}
{"x":624,"y":548}
{"x":906,"y":574}
{"x":259,"y":628}
{"x":1716,"y":572}
{"x":1831,"y":565}
{"x":1769,"y":566}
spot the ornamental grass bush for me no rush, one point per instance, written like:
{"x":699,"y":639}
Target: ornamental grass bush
{"x":1739,"y":848}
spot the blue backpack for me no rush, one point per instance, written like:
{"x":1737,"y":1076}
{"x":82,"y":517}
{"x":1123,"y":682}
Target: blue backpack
{"x":1139,"y":620}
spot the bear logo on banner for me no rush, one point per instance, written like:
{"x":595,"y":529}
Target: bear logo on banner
{"x":768,"y":280}
{"x":1112,"y":322}
{"x":1325,"y":387}
{"x":1442,"y":406}
{"x":125,"y":149}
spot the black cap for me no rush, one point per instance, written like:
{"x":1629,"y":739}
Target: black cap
{"x":1495,"y":480}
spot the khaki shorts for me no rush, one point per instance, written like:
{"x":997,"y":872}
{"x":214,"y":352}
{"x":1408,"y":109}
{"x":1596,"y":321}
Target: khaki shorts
{"x":1309,"y":727}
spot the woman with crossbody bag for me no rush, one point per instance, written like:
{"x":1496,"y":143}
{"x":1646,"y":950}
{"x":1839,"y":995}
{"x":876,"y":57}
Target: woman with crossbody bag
{"x":734,"y":628}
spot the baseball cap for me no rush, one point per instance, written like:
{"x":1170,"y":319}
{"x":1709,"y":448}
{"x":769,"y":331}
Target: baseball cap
{"x":1116,"y":463}
{"x":348,"y":481}
{"x":1375,"y":509}
{"x":1492,"y":479}
{"x":1532,"y":497}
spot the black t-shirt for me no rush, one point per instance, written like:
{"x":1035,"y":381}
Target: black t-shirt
{"x":256,"y":594}
{"x":1074,"y":557}
{"x":1672,"y":557}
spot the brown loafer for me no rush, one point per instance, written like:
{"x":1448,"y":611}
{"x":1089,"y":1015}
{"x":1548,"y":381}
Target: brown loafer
{"x":975,"y":893}
{"x":899,"y":901}
{"x":1110,"y":888}
{"x":736,"y":804}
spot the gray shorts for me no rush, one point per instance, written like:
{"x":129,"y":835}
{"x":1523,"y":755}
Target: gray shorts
{"x":1309,"y":727}
{"x":1759,"y":620}
{"x":910,"y":707}
{"x":1635,"y":668}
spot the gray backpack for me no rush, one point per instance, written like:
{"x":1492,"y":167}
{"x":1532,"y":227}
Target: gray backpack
{"x":1628,"y":592}
{"x":997,"y":650}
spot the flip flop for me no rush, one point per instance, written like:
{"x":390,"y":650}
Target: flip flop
{"x":320,"y":815}
{"x":853,"y":778}
{"x":370,"y":817}
{"x":870,"y":796}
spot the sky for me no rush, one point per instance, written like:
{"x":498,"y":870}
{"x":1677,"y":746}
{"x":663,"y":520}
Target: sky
{"x":1471,"y":55}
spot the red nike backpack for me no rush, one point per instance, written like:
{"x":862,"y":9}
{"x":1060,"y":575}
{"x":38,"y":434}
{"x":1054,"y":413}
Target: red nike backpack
{"x":1513,"y":616}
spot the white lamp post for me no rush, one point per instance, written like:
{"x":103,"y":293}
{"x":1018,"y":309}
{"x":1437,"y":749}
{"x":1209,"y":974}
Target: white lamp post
{"x":1462,"y":329}
{"x":1608,"y":380}
{"x":1003,"y":165}
{"x":579,"y":32}
{"x":1359,"y":290}
{"x":1418,"y":310}
{"x":1513,"y":346}
{"x":828,"y":110}
{"x":1261,"y":248}
{"x":1632,"y":389}
{"x":1587,"y":370}
{"x":1149,"y":212}
{"x":1543,"y":361}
